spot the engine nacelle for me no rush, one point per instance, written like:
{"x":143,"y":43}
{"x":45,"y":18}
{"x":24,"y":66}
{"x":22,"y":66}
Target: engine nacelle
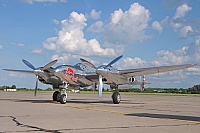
{"x":131,"y":79}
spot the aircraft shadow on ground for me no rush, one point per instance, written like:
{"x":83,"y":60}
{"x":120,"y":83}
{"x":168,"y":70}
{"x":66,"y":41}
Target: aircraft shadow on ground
{"x":82,"y":101}
{"x":34,"y":101}
{"x":30,"y":101}
{"x":166,"y":116}
{"x":88,"y":101}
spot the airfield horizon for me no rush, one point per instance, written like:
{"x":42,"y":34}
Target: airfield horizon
{"x":109,"y":92}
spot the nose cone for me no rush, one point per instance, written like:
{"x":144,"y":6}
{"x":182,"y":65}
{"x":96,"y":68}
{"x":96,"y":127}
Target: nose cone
{"x":38,"y":71}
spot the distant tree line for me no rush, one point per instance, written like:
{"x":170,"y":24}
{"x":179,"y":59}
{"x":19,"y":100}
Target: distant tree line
{"x":194,"y":90}
{"x":163,"y":90}
{"x":22,"y":89}
{"x":157,"y":90}
{"x":8,"y":87}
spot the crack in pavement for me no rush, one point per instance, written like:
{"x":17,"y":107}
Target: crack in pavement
{"x":14,"y":119}
{"x":39,"y":129}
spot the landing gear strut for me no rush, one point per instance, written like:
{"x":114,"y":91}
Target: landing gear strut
{"x":116,"y":97}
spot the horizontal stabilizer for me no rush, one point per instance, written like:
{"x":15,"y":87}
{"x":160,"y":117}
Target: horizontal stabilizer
{"x":124,"y":87}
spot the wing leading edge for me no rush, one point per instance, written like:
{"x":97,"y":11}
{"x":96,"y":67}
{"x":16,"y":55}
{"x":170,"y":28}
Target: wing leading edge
{"x":20,"y":71}
{"x":152,"y":70}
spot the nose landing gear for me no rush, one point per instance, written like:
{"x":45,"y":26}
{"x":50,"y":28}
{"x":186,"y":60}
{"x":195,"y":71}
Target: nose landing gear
{"x":62,"y":98}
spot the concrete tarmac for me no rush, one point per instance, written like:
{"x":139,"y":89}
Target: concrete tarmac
{"x":86,"y":113}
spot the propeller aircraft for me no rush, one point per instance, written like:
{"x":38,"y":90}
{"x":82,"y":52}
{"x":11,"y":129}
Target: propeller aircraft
{"x":73,"y":77}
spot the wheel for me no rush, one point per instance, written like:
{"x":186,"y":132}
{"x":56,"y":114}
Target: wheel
{"x":63,"y":99}
{"x":116,"y":98}
{"x":56,"y":96}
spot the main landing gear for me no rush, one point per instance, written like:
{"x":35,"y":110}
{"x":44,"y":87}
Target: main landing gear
{"x":62,"y":98}
{"x":116,"y":97}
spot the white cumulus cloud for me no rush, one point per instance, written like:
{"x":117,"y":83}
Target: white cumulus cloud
{"x":185,"y":31}
{"x":127,"y":26}
{"x":181,"y":11}
{"x":187,"y":54}
{"x":65,"y":58}
{"x":132,"y":63}
{"x":71,"y":39}
{"x":95,"y":15}
{"x":180,"y":25}
{"x":157,"y":26}
{"x":96,"y":27}
{"x":50,"y":43}
{"x":177,"y":20}
{"x":37,"y":51}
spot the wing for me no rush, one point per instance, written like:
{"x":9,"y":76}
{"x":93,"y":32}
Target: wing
{"x":152,"y":70}
{"x":20,"y":71}
{"x":92,"y":77}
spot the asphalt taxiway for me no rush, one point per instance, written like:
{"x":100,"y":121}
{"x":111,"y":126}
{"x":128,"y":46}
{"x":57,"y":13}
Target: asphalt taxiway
{"x":22,"y":112}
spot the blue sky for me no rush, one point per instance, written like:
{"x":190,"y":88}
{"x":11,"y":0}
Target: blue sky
{"x":147,"y":34}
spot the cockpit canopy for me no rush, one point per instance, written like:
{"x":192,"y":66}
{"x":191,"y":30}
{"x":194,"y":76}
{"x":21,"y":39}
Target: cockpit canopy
{"x":78,"y":67}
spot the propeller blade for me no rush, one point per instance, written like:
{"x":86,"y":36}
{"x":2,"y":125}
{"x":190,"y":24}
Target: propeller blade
{"x":36,"y":87}
{"x":28,"y":64}
{"x":49,"y":65}
{"x":88,"y":63}
{"x":113,"y":61}
{"x":100,"y":86}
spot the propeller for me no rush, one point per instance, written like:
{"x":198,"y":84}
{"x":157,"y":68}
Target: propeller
{"x":49,"y":65}
{"x":113,"y":61}
{"x":100,"y":82}
{"x":88,"y":63}
{"x":104,"y":66}
{"x":43,"y":68}
{"x":38,"y":69}
{"x":29,"y":64}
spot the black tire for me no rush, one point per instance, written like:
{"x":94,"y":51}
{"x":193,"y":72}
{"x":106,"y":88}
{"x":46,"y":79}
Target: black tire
{"x":56,"y":96}
{"x":63,"y":99}
{"x":116,"y":98}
